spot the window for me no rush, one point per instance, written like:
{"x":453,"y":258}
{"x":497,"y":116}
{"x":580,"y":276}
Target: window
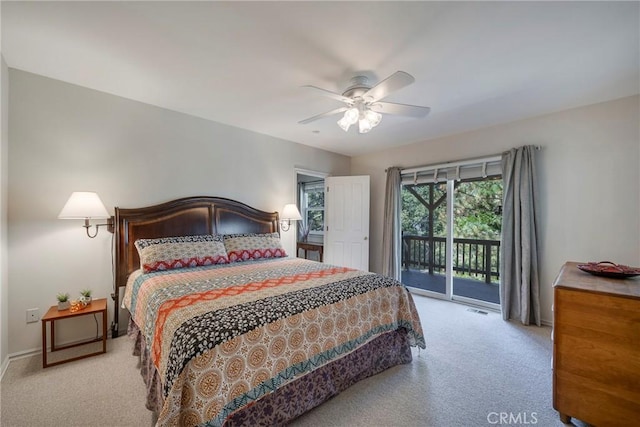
{"x":312,"y":206}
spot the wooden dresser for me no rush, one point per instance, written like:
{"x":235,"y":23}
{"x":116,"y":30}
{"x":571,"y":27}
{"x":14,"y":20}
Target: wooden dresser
{"x":596,"y":348}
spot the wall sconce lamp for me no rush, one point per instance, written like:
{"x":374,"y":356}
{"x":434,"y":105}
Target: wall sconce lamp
{"x":289,"y":212}
{"x":86,"y":205}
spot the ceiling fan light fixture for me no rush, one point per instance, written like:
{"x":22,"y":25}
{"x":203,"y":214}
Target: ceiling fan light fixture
{"x":352,"y":115}
{"x":364,"y":126}
{"x":373,"y":118}
{"x":344,"y":124}
{"x":368,"y":120}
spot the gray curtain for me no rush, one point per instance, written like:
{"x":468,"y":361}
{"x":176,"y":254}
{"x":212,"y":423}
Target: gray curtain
{"x":391,"y":238}
{"x":519,"y":277}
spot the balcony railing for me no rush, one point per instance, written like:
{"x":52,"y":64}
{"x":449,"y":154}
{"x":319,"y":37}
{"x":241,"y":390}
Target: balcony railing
{"x":476,"y":258}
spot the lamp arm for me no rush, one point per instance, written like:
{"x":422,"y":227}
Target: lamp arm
{"x":109,"y":225}
{"x":87,"y":226}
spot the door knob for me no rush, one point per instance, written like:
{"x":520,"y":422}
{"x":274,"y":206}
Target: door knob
{"x":365,"y":237}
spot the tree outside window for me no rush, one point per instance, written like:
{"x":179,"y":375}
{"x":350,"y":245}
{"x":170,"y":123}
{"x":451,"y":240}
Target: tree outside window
{"x":313,"y":207}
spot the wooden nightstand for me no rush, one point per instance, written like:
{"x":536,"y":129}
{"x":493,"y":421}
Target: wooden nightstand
{"x":96,"y":306}
{"x":307,"y":246}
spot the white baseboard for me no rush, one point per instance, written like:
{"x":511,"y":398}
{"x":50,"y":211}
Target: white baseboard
{"x":24,"y":353}
{"x":38,"y":350}
{"x":19,"y":355}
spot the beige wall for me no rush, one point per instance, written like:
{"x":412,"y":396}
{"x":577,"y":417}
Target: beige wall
{"x":65,"y":138}
{"x":588,"y":173}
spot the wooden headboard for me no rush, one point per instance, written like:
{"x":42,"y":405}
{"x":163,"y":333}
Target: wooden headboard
{"x":181,"y":217}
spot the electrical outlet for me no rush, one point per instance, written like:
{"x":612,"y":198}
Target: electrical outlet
{"x":33,"y":315}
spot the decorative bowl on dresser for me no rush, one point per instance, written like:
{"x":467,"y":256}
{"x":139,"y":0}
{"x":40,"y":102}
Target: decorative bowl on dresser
{"x":596,"y":348}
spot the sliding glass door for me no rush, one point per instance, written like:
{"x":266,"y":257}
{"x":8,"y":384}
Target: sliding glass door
{"x":451,"y":234}
{"x":424,"y":228}
{"x":477,"y":220}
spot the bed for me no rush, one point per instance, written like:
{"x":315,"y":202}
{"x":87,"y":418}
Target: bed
{"x":248,"y":335}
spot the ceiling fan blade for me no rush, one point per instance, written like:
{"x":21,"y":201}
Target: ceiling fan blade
{"x":331,"y":94}
{"x":319,"y":116}
{"x":400,"y":109}
{"x":395,"y":81}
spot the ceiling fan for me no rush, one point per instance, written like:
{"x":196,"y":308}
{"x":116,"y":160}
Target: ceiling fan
{"x":363,"y":102}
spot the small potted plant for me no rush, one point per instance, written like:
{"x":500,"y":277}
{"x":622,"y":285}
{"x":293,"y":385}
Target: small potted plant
{"x":63,"y":301}
{"x":86,"y":296}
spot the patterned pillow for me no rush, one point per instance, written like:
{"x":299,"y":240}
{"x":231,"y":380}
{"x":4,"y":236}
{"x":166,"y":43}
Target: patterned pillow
{"x":243,"y":247}
{"x":168,"y":253}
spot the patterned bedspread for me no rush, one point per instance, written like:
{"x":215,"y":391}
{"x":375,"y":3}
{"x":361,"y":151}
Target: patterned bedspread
{"x":223,"y":336}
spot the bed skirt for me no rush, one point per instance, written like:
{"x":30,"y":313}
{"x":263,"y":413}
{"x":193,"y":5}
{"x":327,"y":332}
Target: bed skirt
{"x":299,"y":396}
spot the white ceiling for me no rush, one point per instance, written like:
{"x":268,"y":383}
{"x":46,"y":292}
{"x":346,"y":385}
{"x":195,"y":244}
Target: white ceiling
{"x":476,"y":64}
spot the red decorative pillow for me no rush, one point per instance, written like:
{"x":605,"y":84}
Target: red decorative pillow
{"x":169,"y":253}
{"x":243,"y":247}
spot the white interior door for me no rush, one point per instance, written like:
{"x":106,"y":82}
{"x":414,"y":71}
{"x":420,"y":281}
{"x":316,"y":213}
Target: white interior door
{"x":347,"y":221}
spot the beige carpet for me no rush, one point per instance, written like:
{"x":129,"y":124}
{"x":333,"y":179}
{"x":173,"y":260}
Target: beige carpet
{"x":476,"y":367}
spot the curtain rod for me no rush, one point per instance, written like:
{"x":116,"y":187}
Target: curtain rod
{"x":493,"y":158}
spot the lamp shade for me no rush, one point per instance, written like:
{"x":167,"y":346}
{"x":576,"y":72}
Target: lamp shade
{"x":83,"y":205}
{"x":291,"y":211}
